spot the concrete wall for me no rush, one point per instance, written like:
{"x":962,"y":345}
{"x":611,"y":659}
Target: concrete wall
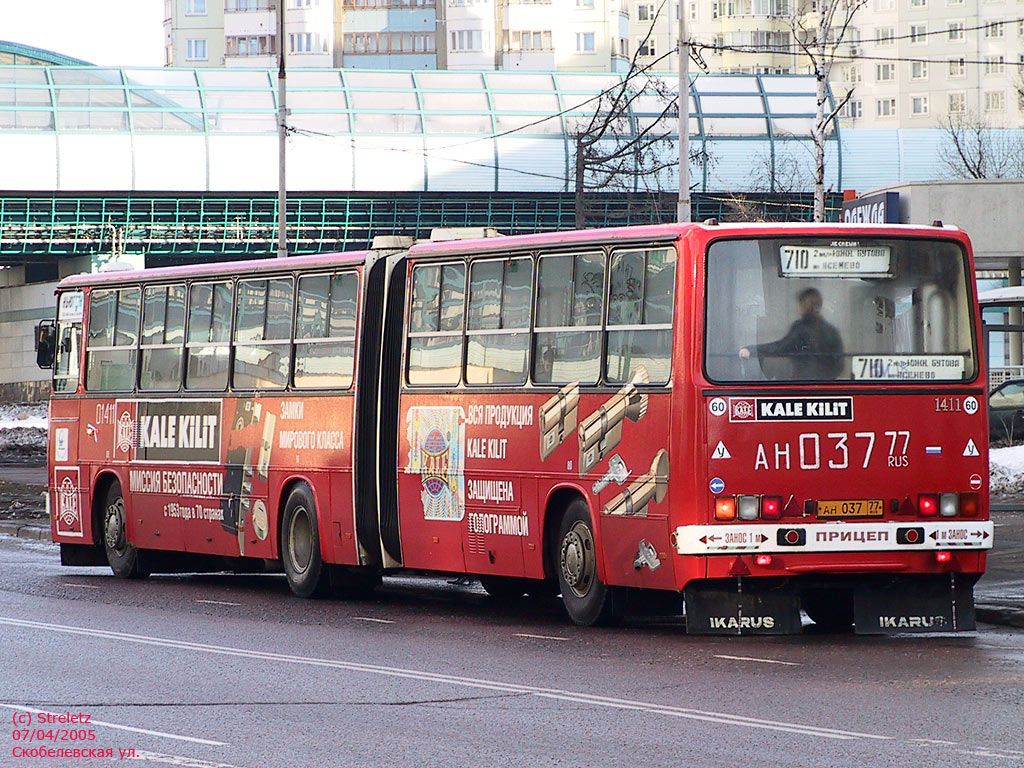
{"x":988,"y":209}
{"x":21,"y":307}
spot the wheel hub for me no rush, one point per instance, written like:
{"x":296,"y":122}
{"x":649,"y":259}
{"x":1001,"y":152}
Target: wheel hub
{"x":113,"y":525}
{"x":577,"y":559}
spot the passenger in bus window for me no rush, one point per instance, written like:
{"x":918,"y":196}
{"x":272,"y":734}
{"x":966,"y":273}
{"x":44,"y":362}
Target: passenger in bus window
{"x":813,"y":344}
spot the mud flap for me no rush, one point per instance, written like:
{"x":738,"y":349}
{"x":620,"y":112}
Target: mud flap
{"x":916,"y":604}
{"x":735,"y":608}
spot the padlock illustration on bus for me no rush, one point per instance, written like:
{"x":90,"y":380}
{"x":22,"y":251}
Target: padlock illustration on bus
{"x":652,"y":486}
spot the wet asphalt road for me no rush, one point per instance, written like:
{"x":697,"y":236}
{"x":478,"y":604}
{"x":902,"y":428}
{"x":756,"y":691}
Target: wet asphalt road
{"x":218,"y":670}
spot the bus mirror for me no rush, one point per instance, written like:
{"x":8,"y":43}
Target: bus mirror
{"x":46,"y":339}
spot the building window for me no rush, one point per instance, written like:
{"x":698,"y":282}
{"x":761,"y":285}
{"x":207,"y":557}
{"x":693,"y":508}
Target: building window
{"x":525,"y":40}
{"x":354,"y":43}
{"x":885,"y":72}
{"x":954,"y":2}
{"x":995,"y":30}
{"x":852,"y":110}
{"x":645,"y":12}
{"x":995,"y":65}
{"x":885,"y":107}
{"x":918,"y":105}
{"x":916,"y":4}
{"x":995,"y":101}
{"x":585,"y":42}
{"x":195,"y":50}
{"x":885,"y":35}
{"x":957,"y":68}
{"x":957,"y":102}
{"x":468,"y":40}
{"x":852,"y":73}
{"x":645,"y":47}
{"x":584,"y":3}
{"x":195,"y":8}
{"x":955,"y":31}
{"x":918,"y":34}
{"x":919,"y":70}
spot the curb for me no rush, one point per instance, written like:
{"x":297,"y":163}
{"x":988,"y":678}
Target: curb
{"x":26,"y":531}
{"x":1000,"y":614}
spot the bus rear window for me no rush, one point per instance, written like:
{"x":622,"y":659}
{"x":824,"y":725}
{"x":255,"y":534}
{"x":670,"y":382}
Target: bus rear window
{"x":812,"y":309}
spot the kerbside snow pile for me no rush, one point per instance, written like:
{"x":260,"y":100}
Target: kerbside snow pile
{"x":22,"y":433}
{"x":1006,"y":471}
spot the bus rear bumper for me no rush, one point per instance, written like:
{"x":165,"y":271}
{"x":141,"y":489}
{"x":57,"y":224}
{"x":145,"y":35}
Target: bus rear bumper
{"x":879,"y":604}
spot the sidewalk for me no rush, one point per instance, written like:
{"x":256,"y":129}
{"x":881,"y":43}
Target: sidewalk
{"x":999,"y":596}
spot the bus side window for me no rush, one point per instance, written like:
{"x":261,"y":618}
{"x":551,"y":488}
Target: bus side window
{"x":640,"y":313}
{"x":498,"y":332}
{"x":67,"y":353}
{"x":163,"y":331}
{"x":208,"y":341}
{"x":435,"y":324}
{"x":325,"y":330}
{"x":263,"y":334}
{"x":113,"y":335}
{"x":570,"y":303}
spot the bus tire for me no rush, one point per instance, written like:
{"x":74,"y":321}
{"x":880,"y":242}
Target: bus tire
{"x":587,"y":600}
{"x":124,"y":559}
{"x":503,"y":587}
{"x":308,"y":575}
{"x":830,"y":611}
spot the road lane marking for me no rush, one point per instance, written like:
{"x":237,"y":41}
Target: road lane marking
{"x":183,"y":762}
{"x":116,"y":726}
{"x":453,"y":680}
{"x":759,"y":661}
{"x":539,"y":637}
{"x":217,"y":602}
{"x":370,"y":618}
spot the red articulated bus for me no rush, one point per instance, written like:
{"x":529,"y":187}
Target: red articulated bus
{"x":756,"y":419}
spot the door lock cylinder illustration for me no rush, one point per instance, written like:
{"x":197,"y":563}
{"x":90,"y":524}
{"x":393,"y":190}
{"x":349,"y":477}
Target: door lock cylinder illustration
{"x":558,"y":418}
{"x":652,"y":486}
{"x":601,"y":431}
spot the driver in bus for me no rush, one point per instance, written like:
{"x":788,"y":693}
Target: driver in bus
{"x":813,"y":344}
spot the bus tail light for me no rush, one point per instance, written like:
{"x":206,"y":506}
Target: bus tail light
{"x":747,"y":507}
{"x":771,"y":507}
{"x":927,"y":504}
{"x":763,"y":560}
{"x":949,"y":504}
{"x":943,"y":557}
{"x":969,"y":505}
{"x":725,"y":508}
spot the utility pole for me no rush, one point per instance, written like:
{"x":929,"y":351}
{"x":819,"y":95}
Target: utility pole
{"x":683,"y":207}
{"x":282,"y":143}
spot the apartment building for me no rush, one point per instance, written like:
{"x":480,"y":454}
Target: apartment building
{"x":243,"y":33}
{"x":535,"y":35}
{"x":921,"y":61}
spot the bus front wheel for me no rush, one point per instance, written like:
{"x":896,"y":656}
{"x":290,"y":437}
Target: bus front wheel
{"x":122,"y":555}
{"x":307,"y":574}
{"x":587,"y":600}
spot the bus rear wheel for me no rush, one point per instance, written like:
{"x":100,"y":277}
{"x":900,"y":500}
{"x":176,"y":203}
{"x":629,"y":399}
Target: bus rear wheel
{"x":307,"y":574}
{"x":587,"y":600}
{"x":123,"y":557}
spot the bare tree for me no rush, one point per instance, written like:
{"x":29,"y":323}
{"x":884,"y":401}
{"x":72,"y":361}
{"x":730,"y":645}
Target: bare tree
{"x":819,"y":29}
{"x":974,"y":149}
{"x":614,"y":155}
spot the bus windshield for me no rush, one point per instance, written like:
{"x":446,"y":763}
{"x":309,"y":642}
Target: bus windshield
{"x":796,"y":309}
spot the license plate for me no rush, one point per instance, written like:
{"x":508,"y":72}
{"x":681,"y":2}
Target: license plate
{"x":851,"y":508}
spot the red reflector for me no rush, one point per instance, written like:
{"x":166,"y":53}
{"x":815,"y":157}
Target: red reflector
{"x":771,"y":507}
{"x":969,"y":505}
{"x":765,"y":560}
{"x":928,"y":504}
{"x":942,"y":557}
